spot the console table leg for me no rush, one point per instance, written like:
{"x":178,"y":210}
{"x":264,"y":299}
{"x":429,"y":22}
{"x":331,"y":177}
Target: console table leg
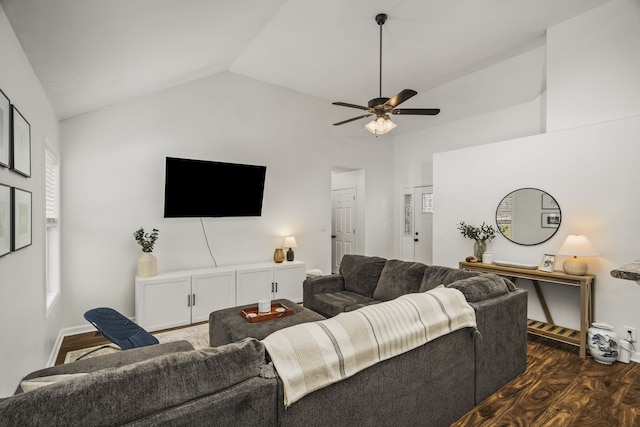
{"x":543,"y":302}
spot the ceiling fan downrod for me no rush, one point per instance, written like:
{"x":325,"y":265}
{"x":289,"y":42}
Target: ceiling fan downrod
{"x":381,"y":18}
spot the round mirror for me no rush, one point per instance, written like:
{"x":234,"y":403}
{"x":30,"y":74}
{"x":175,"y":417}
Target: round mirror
{"x":528,"y":216}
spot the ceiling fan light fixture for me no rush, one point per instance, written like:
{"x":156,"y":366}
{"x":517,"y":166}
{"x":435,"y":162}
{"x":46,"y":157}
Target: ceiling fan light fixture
{"x":381,"y":125}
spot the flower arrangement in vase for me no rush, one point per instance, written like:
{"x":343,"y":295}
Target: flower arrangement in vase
{"x":481,"y":235}
{"x":147,"y":263}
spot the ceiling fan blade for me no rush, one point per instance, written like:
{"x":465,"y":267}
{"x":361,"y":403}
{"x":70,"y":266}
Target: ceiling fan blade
{"x":400,"y":98}
{"x":350,"y":120}
{"x":344,"y":104}
{"x":416,"y":111}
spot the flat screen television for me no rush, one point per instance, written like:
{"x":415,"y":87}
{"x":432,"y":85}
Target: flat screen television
{"x":202,"y":188}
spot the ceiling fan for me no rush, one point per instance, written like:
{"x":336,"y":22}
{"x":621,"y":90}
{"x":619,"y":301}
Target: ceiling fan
{"x":382,"y":107}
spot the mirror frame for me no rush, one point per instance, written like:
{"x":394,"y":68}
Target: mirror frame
{"x":542,"y":193}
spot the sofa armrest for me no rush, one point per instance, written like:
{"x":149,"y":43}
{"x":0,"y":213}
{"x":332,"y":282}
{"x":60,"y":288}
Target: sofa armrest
{"x":113,"y":360}
{"x":501,"y":353}
{"x":323,"y":285}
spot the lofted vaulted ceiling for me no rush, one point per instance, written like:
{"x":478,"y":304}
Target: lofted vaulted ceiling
{"x":89,"y":54}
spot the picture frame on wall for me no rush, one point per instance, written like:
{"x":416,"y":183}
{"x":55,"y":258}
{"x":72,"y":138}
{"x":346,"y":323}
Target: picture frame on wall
{"x":547,"y":263}
{"x":20,"y":143}
{"x":549,"y":202}
{"x":5,"y":219}
{"x":550,"y":219}
{"x":21,"y":201}
{"x":5,"y":135}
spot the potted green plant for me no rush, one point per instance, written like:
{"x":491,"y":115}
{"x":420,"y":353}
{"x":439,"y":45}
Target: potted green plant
{"x":481,"y":235}
{"x":147,"y":263}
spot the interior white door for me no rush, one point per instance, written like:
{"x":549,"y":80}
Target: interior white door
{"x":343,"y":231}
{"x":408,"y":244}
{"x":417,"y":224}
{"x":423,"y":224}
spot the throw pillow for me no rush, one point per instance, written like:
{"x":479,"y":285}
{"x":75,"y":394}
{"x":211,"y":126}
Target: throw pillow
{"x":480,"y":288}
{"x":361,"y":273}
{"x":399,"y":278}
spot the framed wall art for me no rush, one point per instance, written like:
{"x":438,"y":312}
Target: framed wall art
{"x":21,"y":219}
{"x":550,"y":220}
{"x":20,"y":143}
{"x":549,"y":202}
{"x":547,"y":263}
{"x":5,"y":220}
{"x":5,"y":115}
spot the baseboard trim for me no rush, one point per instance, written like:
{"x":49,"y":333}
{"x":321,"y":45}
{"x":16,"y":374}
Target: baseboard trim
{"x":66,"y":332}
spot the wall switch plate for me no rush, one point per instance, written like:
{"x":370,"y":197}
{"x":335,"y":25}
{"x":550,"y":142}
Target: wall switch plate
{"x":633,"y":331}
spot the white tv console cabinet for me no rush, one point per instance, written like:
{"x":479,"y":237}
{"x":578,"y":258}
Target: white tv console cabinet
{"x":183,"y":297}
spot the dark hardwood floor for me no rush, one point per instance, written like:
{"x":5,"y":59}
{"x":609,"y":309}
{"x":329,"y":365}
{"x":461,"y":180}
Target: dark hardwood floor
{"x":560,"y":389}
{"x":557,"y":389}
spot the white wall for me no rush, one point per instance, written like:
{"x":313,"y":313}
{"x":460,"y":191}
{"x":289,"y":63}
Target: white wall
{"x":27,"y":332}
{"x":589,"y":167}
{"x":413,"y":153}
{"x":113,"y":183}
{"x":592,"y":182}
{"x":593,"y":66}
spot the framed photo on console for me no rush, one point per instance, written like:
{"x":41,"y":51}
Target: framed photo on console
{"x":548,"y":263}
{"x":21,"y":219}
{"x":5,"y":108}
{"x":5,"y":220}
{"x":20,"y":143}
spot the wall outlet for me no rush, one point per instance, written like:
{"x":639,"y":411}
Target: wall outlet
{"x":628,"y":330}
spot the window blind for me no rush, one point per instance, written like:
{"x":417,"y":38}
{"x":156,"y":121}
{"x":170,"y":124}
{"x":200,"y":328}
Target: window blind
{"x":52,"y":165}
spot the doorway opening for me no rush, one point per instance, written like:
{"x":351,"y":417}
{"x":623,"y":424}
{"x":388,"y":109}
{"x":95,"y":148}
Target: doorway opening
{"x":347,"y":214}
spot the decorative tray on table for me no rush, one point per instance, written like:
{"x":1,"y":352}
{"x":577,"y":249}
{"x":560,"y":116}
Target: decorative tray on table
{"x":252,"y":315}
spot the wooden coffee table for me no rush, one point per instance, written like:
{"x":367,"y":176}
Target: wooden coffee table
{"x":228,"y":325}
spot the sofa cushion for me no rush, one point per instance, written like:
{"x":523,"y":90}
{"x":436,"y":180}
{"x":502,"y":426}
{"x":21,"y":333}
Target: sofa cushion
{"x":331,"y":304}
{"x":435,"y":275}
{"x":361,"y":273}
{"x":481,"y":287}
{"x":399,"y":278}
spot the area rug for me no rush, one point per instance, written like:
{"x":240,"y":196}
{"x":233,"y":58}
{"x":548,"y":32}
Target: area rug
{"x":197,"y":335}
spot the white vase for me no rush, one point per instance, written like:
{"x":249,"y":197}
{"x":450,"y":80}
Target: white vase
{"x":147,"y":265}
{"x":603,"y":343}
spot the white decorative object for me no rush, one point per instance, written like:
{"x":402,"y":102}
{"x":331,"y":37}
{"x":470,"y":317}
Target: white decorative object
{"x":264,"y":305}
{"x":603,"y":343}
{"x":515,"y":264}
{"x":487,"y":257}
{"x":147,"y":265}
{"x":626,"y":348}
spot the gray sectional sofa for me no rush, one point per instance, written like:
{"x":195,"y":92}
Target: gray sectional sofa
{"x":172,"y":384}
{"x":501,"y":308}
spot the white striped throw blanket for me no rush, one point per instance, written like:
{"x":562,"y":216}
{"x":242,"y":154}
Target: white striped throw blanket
{"x":310,"y":356}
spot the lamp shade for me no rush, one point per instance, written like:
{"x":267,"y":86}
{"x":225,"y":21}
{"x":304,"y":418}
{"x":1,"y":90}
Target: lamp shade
{"x":577,"y":245}
{"x":290,"y":242}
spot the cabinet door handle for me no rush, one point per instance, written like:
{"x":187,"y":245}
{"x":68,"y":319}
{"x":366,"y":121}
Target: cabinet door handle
{"x":276,"y":287}
{"x":193,"y":299}
{"x":188,"y":300}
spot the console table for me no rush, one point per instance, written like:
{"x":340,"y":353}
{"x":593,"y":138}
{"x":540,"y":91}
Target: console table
{"x":549,"y":329}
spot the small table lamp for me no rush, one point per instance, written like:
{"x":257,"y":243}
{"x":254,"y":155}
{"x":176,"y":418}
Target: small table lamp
{"x":290,"y":242}
{"x":576,"y":246}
